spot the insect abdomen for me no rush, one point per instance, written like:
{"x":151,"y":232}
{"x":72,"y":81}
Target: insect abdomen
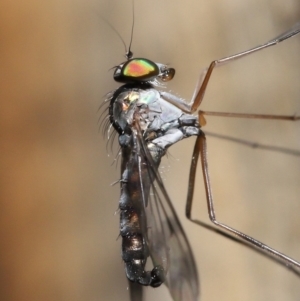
{"x":133,"y":222}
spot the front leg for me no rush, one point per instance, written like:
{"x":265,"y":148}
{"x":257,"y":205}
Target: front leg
{"x":204,"y":78}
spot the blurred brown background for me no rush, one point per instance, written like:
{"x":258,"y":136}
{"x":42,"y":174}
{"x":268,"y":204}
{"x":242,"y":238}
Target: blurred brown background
{"x":58,"y":227}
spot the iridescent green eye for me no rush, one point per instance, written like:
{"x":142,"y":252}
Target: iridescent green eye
{"x":136,"y":70}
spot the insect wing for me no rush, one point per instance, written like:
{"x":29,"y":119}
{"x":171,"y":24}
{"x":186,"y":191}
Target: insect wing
{"x":167,"y":242}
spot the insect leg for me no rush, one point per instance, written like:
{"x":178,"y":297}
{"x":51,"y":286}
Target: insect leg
{"x":136,"y":291}
{"x":252,"y":116}
{"x":251,"y":144}
{"x":206,"y":73}
{"x":201,"y":148}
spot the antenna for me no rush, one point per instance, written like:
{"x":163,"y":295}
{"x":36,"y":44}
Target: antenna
{"x":129,"y":53}
{"x":116,"y":33}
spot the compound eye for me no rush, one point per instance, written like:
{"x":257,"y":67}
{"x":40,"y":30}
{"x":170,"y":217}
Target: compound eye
{"x":137,"y":69}
{"x":167,"y":74}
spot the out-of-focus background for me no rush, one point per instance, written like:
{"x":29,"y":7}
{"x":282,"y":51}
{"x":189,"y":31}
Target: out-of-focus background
{"x":59,"y":230}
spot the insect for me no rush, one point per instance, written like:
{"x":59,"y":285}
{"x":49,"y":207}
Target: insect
{"x":149,"y":120}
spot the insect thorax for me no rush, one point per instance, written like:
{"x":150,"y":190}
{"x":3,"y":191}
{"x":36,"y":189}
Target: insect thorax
{"x":140,"y":107}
